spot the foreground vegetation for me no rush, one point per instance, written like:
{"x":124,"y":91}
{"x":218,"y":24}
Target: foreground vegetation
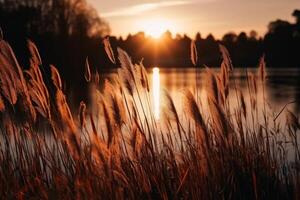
{"x":116,"y":149}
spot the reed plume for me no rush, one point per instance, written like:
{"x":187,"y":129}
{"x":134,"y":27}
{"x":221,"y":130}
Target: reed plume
{"x":126,"y":81}
{"x":10,"y":82}
{"x":107,"y":156}
{"x":115,"y":103}
{"x":35,"y":55}
{"x":8,"y":86}
{"x":194,"y":54}
{"x":170,"y":106}
{"x":223,"y":82}
{"x":55,"y":77}
{"x":126,"y":63}
{"x":109,"y":50}
{"x":97,"y":78}
{"x":193,"y":111}
{"x":14,"y":84}
{"x":136,"y":141}
{"x":226,"y":57}
{"x":220,"y":124}
{"x":108,"y":122}
{"x":143,"y":76}
{"x":252,"y":84}
{"x":38,"y":90}
{"x":212,"y":86}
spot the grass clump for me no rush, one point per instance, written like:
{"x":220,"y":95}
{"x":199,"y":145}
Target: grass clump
{"x":116,"y":149}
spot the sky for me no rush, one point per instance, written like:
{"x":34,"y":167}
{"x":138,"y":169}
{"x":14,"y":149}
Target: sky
{"x":191,"y":16}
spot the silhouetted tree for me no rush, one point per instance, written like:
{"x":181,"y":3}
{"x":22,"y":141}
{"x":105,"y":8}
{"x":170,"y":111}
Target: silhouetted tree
{"x":253,"y":35}
{"x":279,"y":26}
{"x":61,"y":17}
{"x":296,"y":14}
{"x":242,"y":37}
{"x":229,"y":38}
{"x":282,"y":44}
{"x":198,"y":37}
{"x":65,"y":31}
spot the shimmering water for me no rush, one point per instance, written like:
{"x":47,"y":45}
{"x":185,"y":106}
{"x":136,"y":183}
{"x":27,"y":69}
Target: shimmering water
{"x":282,"y":85}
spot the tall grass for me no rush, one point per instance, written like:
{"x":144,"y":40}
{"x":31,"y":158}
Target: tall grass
{"x":116,"y":149}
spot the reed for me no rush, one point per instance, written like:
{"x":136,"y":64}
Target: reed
{"x":115,"y":149}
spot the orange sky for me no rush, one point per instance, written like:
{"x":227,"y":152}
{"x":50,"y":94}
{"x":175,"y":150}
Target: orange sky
{"x":190,"y":16}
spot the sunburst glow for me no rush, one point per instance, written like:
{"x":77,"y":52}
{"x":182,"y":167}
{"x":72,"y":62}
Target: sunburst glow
{"x":156,"y":27}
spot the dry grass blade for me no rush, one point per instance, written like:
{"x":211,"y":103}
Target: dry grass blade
{"x":35,"y":55}
{"x":115,"y":103}
{"x":194,"y":54}
{"x":2,"y":105}
{"x":8,"y":54}
{"x":253,"y":83}
{"x":66,"y":117}
{"x":126,"y":81}
{"x":109,"y":50}
{"x":1,"y":34}
{"x":108,"y":122}
{"x":292,"y":120}
{"x":118,"y":109}
{"x":87,"y":70}
{"x":282,"y":109}
{"x":220,"y":121}
{"x":40,"y":106}
{"x":97,"y":78}
{"x":182,"y":180}
{"x":55,"y":77}
{"x":262,"y":69}
{"x":82,"y":113}
{"x":11,"y":76}
{"x":243,"y":104}
{"x":8,"y":86}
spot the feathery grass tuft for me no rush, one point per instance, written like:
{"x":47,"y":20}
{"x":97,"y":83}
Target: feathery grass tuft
{"x":115,"y":149}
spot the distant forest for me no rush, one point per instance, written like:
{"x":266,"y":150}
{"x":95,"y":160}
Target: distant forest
{"x":68,"y":31}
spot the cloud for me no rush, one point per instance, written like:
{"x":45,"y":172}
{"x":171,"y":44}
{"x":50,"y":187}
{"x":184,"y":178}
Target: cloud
{"x":141,"y":8}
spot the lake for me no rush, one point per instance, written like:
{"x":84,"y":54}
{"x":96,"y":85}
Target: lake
{"x":282,"y":85}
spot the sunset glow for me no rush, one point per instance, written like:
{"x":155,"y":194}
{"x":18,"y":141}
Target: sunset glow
{"x":191,"y":16}
{"x":156,"y":27}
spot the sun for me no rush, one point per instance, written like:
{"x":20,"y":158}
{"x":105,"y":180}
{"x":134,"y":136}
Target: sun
{"x":156,"y":27}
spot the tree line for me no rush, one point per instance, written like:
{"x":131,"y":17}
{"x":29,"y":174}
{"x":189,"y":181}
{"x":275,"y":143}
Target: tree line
{"x":280,"y":45}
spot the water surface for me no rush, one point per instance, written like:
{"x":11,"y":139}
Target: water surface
{"x":282,"y":85}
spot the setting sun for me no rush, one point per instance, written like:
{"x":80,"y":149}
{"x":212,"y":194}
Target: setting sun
{"x":156,"y":27}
